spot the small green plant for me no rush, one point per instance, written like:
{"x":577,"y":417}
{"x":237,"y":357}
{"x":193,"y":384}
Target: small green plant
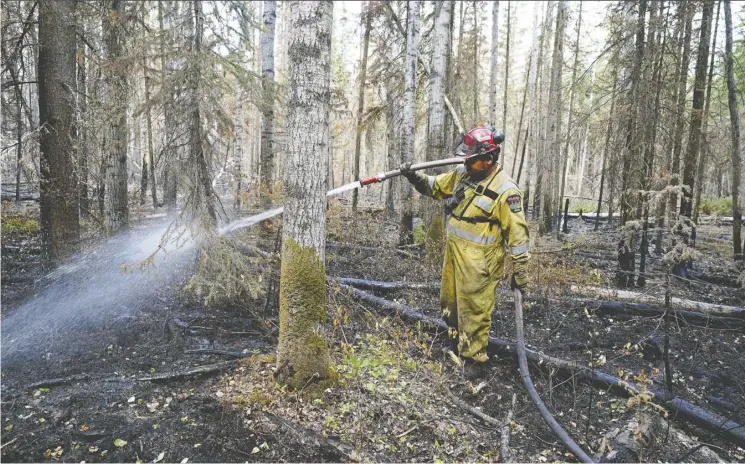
{"x":18,"y":224}
{"x":716,"y":206}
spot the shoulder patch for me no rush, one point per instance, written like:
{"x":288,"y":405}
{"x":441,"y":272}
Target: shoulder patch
{"x":515,"y":203}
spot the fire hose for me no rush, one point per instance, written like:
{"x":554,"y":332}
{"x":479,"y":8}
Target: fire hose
{"x":414,"y":167}
{"x":528,"y":383}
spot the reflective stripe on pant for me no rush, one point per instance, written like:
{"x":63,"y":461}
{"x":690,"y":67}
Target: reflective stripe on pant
{"x":469,"y":279}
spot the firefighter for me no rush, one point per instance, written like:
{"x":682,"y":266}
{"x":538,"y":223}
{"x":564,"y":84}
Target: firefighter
{"x":485,"y":223}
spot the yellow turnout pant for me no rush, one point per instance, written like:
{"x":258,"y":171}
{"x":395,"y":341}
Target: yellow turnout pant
{"x":469,"y":279}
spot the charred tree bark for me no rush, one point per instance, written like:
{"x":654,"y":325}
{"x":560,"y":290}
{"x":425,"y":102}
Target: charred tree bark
{"x":694,"y":138}
{"x":699,"y":186}
{"x":60,"y":226}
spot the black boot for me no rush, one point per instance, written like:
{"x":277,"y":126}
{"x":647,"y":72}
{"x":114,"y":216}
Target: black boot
{"x":474,"y":370}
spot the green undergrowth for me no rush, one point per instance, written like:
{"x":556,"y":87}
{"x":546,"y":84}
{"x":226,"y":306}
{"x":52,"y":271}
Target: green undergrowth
{"x":15,"y":223}
{"x":716,"y":206}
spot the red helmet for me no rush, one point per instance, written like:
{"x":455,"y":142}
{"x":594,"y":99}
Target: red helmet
{"x":480,"y":141}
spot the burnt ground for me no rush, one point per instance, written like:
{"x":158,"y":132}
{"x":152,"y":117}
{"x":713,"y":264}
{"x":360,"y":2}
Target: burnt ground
{"x":115,"y":401}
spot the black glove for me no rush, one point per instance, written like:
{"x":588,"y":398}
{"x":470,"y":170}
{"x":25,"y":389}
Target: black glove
{"x":407,"y":172}
{"x":514,"y":284}
{"x":453,"y":202}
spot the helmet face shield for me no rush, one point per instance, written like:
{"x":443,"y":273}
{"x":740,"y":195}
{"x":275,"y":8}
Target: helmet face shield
{"x":477,"y":143}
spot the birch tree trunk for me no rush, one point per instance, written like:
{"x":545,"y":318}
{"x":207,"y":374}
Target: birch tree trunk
{"x":267,"y":106}
{"x":366,"y":16}
{"x":735,"y":120}
{"x":60,"y":226}
{"x":409,"y":111}
{"x":238,"y":153}
{"x":84,"y":146}
{"x":506,"y":67}
{"x":542,"y":112}
{"x":697,"y":111}
{"x":437,"y":76}
{"x":704,"y":133}
{"x":302,"y":354}
{"x":494,"y":62}
{"x":116,"y":99}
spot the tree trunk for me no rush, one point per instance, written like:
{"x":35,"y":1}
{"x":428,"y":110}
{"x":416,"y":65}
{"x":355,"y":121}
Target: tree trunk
{"x":170,"y":163}
{"x":393,"y":121}
{"x":633,"y":140}
{"x":694,"y":138}
{"x":554,"y":123}
{"x":60,"y":226}
{"x":267,"y":106}
{"x":606,"y":148}
{"x":202,"y":175}
{"x":409,"y":111}
{"x":366,"y":18}
{"x":83,"y":146}
{"x":565,"y":153}
{"x":735,"y":120}
{"x":686,"y":11}
{"x":437,"y":76}
{"x":303,"y":355}
{"x":150,"y":152}
{"x":494,"y":62}
{"x":238,"y":155}
{"x":541,"y":166}
{"x":704,"y":133}
{"x":506,"y":66}
{"x":115,"y":83}
{"x":145,"y":171}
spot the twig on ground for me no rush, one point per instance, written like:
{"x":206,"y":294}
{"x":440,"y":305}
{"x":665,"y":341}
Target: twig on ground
{"x":505,"y":449}
{"x":8,"y":443}
{"x":235,"y":354}
{"x":199,"y":370}
{"x":463,"y":405}
{"x":56,"y":382}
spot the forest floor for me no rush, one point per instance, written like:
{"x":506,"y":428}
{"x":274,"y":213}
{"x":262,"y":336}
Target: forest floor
{"x":127,"y":389}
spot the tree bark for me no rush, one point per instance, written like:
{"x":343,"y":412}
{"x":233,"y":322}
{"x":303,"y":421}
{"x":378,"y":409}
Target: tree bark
{"x":685,"y":12}
{"x":238,"y":153}
{"x":170,"y":163}
{"x":409,"y":111}
{"x":366,"y":18}
{"x":60,"y":226}
{"x":150,"y":152}
{"x":699,"y":186}
{"x":494,"y":62}
{"x":565,"y":153}
{"x":606,"y":148}
{"x":694,"y":138}
{"x":506,"y":66}
{"x":303,"y":355}
{"x":735,"y":120}
{"x":202,"y":175}
{"x":115,"y":96}
{"x":267,"y":106}
{"x":83,"y":146}
{"x":554,"y":123}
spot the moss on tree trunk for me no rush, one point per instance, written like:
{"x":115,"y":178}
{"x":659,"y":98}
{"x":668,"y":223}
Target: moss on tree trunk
{"x":303,"y":354}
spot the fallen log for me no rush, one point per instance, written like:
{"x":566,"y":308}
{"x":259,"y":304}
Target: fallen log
{"x":716,"y":279}
{"x":678,"y":303}
{"x":380,"y":285}
{"x":507,"y":454}
{"x":717,"y":316}
{"x":208,"y":369}
{"x":678,"y":407}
